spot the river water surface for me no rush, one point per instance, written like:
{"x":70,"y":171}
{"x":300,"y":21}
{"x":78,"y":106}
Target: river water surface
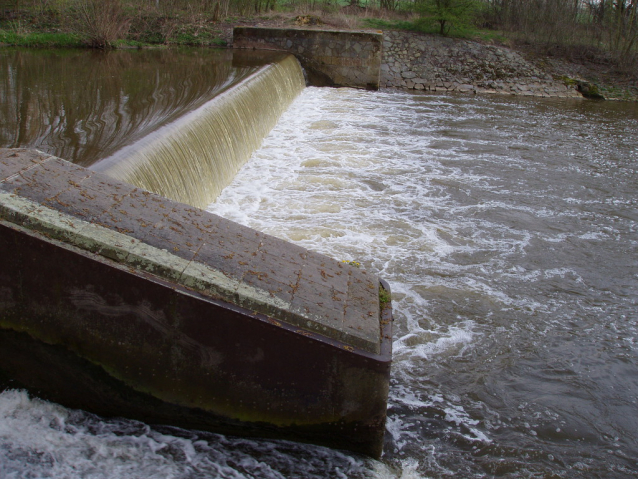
{"x":84,"y":106}
{"x":508,"y":231}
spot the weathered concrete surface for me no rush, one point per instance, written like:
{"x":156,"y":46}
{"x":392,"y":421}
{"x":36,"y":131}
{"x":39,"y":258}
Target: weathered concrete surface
{"x":330,"y":58}
{"x":173,"y":315}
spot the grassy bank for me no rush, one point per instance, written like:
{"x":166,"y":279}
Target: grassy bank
{"x":36,"y":39}
{"x":606,"y":42}
{"x":600,"y":28}
{"x":109,"y":24}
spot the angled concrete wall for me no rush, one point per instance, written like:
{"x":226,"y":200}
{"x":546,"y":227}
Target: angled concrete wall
{"x":124,"y":303}
{"x":330,"y":58}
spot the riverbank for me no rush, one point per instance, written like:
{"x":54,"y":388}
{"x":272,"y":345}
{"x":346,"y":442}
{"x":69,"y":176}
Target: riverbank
{"x":441,"y":64}
{"x":413,"y":61}
{"x":435,"y":63}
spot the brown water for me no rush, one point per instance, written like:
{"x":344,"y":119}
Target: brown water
{"x":508,"y":231}
{"x":86,"y":105}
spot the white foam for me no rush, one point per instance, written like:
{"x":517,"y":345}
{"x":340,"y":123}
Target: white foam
{"x":42,"y":440}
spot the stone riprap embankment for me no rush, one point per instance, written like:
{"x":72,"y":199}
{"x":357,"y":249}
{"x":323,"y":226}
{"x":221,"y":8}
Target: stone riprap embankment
{"x":434,"y":63}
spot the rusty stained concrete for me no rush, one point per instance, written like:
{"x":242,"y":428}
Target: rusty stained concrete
{"x":124,"y":303}
{"x":192,"y":247}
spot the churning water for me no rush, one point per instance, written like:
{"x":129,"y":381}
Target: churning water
{"x":508,"y":231}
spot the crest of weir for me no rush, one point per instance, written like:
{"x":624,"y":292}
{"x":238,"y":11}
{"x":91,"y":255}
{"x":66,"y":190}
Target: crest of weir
{"x":192,"y":159}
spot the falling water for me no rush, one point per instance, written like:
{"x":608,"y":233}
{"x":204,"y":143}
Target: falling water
{"x":192,"y":159}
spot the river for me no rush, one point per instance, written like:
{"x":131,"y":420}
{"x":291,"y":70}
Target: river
{"x":507,"y":229}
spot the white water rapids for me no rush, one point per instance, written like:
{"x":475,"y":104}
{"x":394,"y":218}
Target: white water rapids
{"x":508,"y":231}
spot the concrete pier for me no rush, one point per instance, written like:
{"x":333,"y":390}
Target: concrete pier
{"x":330,"y":57}
{"x":124,"y":303}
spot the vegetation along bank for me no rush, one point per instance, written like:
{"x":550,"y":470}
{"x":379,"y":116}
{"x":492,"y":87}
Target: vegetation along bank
{"x":540,"y":47}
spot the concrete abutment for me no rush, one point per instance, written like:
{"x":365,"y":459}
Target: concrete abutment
{"x":124,"y":303}
{"x":405,"y":60}
{"x":329,"y":57}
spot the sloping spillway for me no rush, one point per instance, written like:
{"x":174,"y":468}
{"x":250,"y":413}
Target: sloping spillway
{"x":193,"y":158}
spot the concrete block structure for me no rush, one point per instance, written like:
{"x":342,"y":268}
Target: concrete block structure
{"x":124,"y":303}
{"x":329,"y":57}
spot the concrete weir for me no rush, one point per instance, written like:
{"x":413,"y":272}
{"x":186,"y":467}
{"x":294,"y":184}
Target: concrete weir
{"x":329,"y":57}
{"x":124,"y":303}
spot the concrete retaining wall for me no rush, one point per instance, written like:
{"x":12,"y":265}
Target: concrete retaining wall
{"x":330,"y":58}
{"x":406,"y":60}
{"x":125,"y":303}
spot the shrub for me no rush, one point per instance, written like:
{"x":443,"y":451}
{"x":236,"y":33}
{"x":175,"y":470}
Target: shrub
{"x":448,"y":13}
{"x":101,"y":22}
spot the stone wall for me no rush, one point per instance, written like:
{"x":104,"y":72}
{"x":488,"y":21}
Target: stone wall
{"x":330,"y":58}
{"x":434,"y":63}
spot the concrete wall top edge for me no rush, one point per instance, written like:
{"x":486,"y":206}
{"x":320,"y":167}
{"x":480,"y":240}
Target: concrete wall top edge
{"x":191,"y":247}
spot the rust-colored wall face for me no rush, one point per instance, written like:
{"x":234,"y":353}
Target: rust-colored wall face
{"x":124,"y":303}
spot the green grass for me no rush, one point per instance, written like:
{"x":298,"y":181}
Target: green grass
{"x":125,"y":43}
{"x":151,"y":35}
{"x":384,"y":296}
{"x":614,"y":93}
{"x":40,"y":39}
{"x":185,"y":39}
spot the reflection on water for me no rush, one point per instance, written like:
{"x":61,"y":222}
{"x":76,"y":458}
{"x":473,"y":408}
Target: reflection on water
{"x":86,"y":105}
{"x":508,"y":230}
